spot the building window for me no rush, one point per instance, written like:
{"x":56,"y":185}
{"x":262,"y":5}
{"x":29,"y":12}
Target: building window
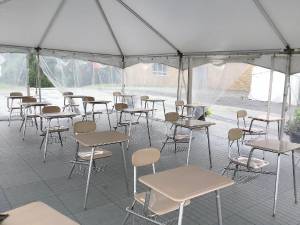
{"x":159,"y":69}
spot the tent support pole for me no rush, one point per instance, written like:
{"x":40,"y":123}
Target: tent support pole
{"x":285,"y":95}
{"x":270,"y":87}
{"x":123,"y":75}
{"x":109,"y":26}
{"x":38,"y":73}
{"x":269,"y":20}
{"x":54,"y":17}
{"x":148,"y":25}
{"x":190,"y":82}
{"x":27,"y":75}
{"x":179,"y":77}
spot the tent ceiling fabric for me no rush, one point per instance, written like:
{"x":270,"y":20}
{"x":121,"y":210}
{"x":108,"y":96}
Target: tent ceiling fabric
{"x":192,"y":27}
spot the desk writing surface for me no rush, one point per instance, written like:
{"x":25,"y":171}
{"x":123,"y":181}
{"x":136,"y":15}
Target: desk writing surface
{"x":184,"y":183}
{"x":100,"y":138}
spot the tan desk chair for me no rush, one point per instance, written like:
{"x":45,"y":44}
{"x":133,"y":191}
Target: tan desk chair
{"x":144,"y":101}
{"x":83,"y":157}
{"x":119,"y":107}
{"x":28,"y":114}
{"x":154,"y":203}
{"x":92,"y":112}
{"x":242,"y":115}
{"x":117,"y":96}
{"x":171,"y":135}
{"x":69,"y":103}
{"x":53,"y":129}
{"x":250,"y":163}
{"x":11,"y":107}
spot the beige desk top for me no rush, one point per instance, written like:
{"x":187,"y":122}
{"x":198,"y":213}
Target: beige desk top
{"x":74,"y":96}
{"x":98,"y":102}
{"x":18,"y":97}
{"x":126,"y":95}
{"x":36,"y":213}
{"x":185,"y":183}
{"x":137,"y":110}
{"x":100,"y":138}
{"x":273,"y":145}
{"x":265,"y":119}
{"x":155,"y":100}
{"x":58,"y":115}
{"x":29,"y":104}
{"x":193,"y":124}
{"x":194,"y":105}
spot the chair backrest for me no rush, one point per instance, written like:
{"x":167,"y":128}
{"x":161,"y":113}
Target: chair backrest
{"x":144,"y":157}
{"x":68,"y":93}
{"x":121,"y":106}
{"x":51,"y":109}
{"x":84,"y":127}
{"x":241,"y":114}
{"x":144,"y":98}
{"x":15,"y":94}
{"x":179,"y":103}
{"x":117,"y":93}
{"x":234,"y":134}
{"x":171,"y":117}
{"x":88,"y":98}
{"x":28,"y":99}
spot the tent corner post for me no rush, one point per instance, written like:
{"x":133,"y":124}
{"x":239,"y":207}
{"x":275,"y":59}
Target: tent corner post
{"x":38,"y":73}
{"x":190,"y":82}
{"x":28,"y":72}
{"x":179,"y":77}
{"x":123,"y":75}
{"x":285,"y":95}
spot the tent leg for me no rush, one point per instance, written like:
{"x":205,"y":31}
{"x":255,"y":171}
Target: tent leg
{"x":285,"y":95}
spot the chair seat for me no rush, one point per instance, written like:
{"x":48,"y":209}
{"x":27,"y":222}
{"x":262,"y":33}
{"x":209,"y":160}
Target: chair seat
{"x":255,"y":163}
{"x":159,"y":204}
{"x":99,"y":153}
{"x":180,"y":137}
{"x":33,"y":116}
{"x":253,"y":131}
{"x":91,"y":113}
{"x":56,"y":129}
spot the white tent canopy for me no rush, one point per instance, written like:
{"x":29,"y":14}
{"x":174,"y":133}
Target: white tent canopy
{"x":125,"y":32}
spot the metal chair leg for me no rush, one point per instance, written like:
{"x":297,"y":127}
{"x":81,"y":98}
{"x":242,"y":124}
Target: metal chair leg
{"x":235,"y":171}
{"x":226,"y":168}
{"x":42,"y":142}
{"x":60,"y":139}
{"x":164,"y":144}
{"x":75,"y":160}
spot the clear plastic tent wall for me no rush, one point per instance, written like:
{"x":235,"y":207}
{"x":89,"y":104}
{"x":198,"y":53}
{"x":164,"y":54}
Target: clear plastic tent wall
{"x":211,"y":81}
{"x":79,"y":77}
{"x":158,"y":81}
{"x":13,"y":77}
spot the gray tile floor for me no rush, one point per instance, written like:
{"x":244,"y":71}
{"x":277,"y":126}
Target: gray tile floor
{"x":25,"y":178}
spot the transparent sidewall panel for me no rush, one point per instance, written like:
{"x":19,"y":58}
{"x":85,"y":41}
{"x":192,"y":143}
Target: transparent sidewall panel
{"x":13,"y":78}
{"x":81,"y":78}
{"x":155,"y":80}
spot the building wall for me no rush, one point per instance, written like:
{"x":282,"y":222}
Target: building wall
{"x":244,"y":81}
{"x":237,"y":75}
{"x":142,"y":75}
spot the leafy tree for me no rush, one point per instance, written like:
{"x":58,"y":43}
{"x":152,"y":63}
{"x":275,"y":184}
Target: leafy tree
{"x":45,"y":82}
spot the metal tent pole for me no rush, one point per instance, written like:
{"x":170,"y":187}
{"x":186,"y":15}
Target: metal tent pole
{"x":285,"y":95}
{"x":179,"y":77}
{"x":28,"y":71}
{"x":123,"y":75}
{"x":270,"y":87}
{"x":190,"y":82}
{"x":38,"y":74}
